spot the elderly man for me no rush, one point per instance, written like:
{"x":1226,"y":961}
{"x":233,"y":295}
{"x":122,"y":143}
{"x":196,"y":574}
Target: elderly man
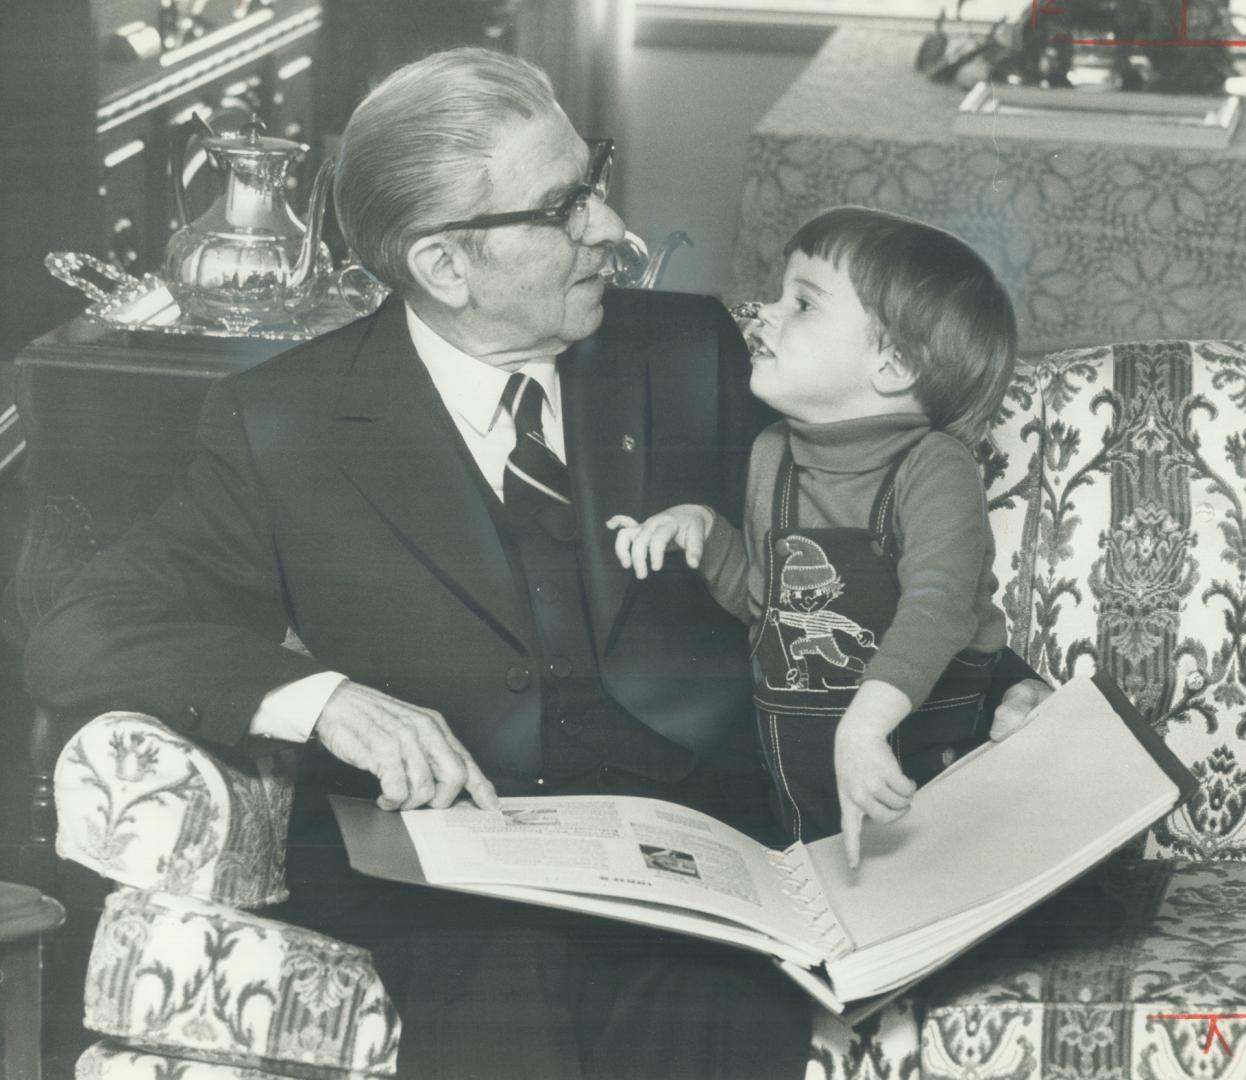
{"x":421,"y":498}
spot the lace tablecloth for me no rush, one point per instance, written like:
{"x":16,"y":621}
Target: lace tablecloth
{"x":1095,"y":242}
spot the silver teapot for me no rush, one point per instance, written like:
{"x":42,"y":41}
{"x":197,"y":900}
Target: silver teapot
{"x":631,"y":266}
{"x":247,"y":261}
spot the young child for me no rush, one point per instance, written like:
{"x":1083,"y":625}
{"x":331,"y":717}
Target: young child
{"x":864,"y":568}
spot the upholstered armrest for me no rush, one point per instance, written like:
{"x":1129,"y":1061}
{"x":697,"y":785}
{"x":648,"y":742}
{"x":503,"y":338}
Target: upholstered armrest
{"x":171,"y":975}
{"x":145,"y":806}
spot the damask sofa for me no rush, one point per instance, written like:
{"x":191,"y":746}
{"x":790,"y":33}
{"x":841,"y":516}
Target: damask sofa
{"x":1118,"y":496}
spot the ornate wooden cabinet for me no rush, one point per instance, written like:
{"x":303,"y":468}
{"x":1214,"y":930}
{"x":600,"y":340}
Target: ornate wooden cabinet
{"x":93,"y":91}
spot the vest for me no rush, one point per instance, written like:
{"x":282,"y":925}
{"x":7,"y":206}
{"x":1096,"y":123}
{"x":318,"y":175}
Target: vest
{"x":584,"y":737}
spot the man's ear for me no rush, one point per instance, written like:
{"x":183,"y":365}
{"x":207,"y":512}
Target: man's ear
{"x":439,"y":269}
{"x":891,"y":375}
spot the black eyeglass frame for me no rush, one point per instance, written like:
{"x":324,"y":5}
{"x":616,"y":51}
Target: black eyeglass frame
{"x":601,"y":155}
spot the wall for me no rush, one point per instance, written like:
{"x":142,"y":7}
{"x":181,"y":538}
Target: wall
{"x":684,"y":119}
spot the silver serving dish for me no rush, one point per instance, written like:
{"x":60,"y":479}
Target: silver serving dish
{"x":125,"y":302}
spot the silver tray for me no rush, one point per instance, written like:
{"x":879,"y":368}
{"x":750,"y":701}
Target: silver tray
{"x":125,"y":302}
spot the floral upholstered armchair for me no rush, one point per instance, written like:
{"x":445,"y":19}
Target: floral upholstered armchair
{"x":180,"y":971}
{"x":1117,"y":489}
{"x":1119,"y":504}
{"x":1118,"y":494}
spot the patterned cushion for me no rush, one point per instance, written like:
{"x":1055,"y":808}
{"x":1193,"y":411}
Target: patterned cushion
{"x":1101,"y":984}
{"x":145,"y":806}
{"x":882,"y":1045}
{"x":1011,"y":468}
{"x":171,"y":974}
{"x":1132,"y":555}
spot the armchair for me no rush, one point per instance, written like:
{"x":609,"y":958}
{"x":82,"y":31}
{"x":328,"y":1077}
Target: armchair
{"x":1118,"y":490}
{"x":180,"y":968}
{"x":1118,"y":500}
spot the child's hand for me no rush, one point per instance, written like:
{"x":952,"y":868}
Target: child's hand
{"x":640,"y":546}
{"x":867,"y":774}
{"x":1017,"y":708}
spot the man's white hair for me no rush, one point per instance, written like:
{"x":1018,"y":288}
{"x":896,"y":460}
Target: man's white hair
{"x":414,"y":153}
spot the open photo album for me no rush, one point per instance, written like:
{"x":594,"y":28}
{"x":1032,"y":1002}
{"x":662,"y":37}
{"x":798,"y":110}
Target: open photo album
{"x":1003,"y":828}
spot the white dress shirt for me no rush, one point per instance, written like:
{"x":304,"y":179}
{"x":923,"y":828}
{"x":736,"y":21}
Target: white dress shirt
{"x":472,"y":392}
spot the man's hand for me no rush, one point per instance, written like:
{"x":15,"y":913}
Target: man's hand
{"x":1017,"y":707}
{"x":640,"y":546}
{"x":412,"y":751}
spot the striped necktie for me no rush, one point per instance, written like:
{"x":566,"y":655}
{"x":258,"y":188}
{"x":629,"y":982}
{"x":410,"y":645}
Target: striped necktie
{"x":535,"y":479}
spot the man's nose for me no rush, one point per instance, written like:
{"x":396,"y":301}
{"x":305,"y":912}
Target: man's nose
{"x":765,"y":313}
{"x":604,"y":225}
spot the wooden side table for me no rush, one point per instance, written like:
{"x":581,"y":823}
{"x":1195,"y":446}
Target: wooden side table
{"x":25,"y":916}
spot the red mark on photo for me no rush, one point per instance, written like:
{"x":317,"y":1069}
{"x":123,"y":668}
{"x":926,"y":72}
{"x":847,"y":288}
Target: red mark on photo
{"x":1180,"y":40}
{"x":1214,"y":1034}
{"x":1039,"y":7}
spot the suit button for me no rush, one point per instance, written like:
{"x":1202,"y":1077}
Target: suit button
{"x":783,"y":549}
{"x":193,"y":719}
{"x":560,"y":667}
{"x":518,"y":679}
{"x":572,"y":725}
{"x":948,"y":756}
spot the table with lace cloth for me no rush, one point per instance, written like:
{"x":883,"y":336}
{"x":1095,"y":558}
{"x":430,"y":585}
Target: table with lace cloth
{"x":1094,"y":241}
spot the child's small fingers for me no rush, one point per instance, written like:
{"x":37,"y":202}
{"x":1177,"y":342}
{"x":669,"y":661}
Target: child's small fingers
{"x":885,"y":815}
{"x":892,"y":776}
{"x":891,"y":799}
{"x":901,"y":785}
{"x":693,"y":547}
{"x":877,"y":805}
{"x":623,"y":546}
{"x":660,"y":537}
{"x":620,"y":521}
{"x":640,"y":555}
{"x":852,"y":834}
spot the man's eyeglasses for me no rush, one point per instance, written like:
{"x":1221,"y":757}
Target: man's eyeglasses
{"x":571,"y":212}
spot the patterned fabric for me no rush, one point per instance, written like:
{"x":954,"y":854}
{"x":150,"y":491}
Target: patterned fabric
{"x":1094,"y":241}
{"x":171,"y":974}
{"x":882,"y":1047}
{"x":146,"y":807}
{"x":1101,"y":984}
{"x":1132,"y":556}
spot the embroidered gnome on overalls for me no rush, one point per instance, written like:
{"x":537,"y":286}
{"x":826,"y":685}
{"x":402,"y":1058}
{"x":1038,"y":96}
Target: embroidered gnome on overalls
{"x":807,"y":584}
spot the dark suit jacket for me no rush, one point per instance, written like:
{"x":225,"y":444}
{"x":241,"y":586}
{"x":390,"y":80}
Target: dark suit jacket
{"x":332,"y":495}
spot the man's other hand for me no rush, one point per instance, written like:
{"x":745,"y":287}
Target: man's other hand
{"x":1017,"y":707}
{"x":412,"y":751}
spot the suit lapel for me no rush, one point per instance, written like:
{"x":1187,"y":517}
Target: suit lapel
{"x":605,"y":424}
{"x":395,"y":441}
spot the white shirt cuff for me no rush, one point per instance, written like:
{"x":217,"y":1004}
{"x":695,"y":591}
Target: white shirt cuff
{"x":290,"y":712}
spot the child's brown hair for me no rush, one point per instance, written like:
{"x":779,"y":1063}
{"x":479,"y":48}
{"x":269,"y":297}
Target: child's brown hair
{"x":935,"y":301}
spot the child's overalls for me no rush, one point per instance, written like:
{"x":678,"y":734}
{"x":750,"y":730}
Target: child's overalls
{"x":831,"y":594}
